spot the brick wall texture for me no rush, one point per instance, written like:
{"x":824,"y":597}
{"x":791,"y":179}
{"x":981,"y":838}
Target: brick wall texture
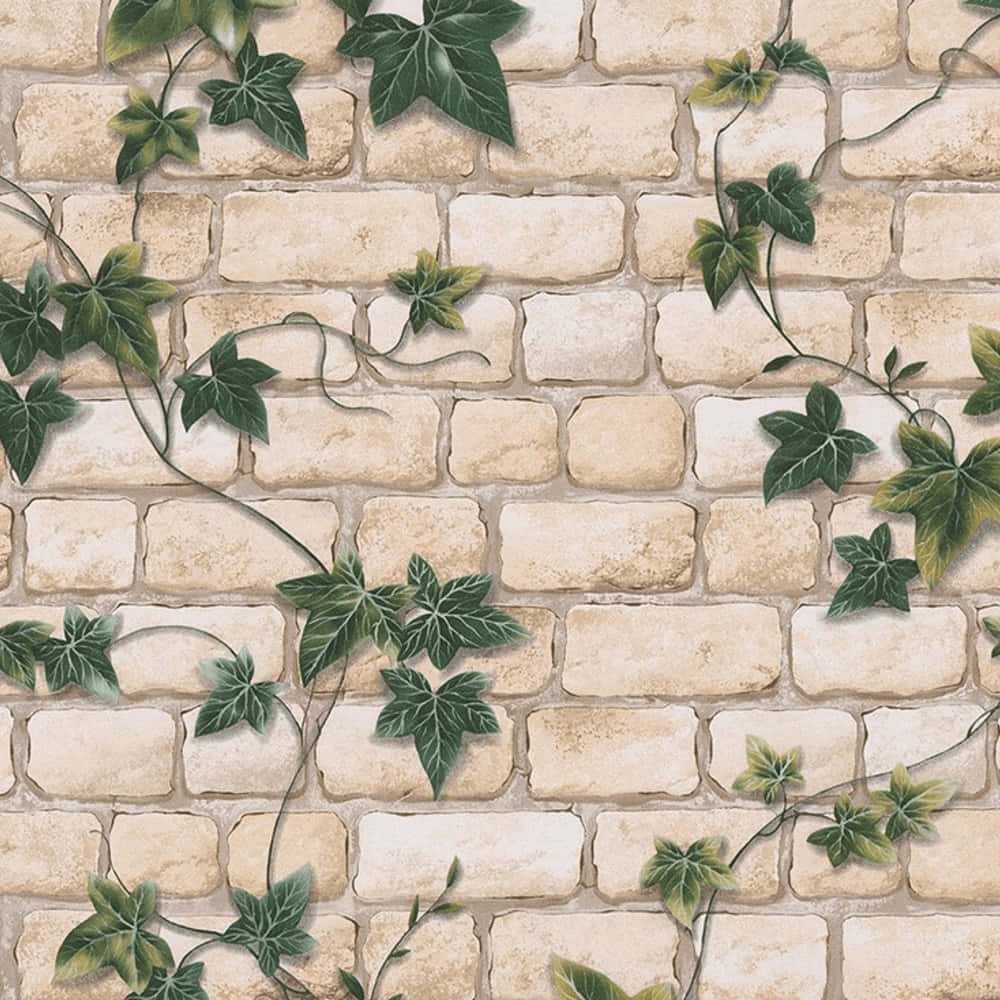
{"x":605,"y":466}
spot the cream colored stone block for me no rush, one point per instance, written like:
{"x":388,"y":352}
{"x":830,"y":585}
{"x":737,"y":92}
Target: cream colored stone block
{"x":6,"y":543}
{"x":6,"y":761}
{"x":507,"y":440}
{"x":422,"y":144}
{"x":943,"y":235}
{"x":55,"y":37}
{"x":48,"y":853}
{"x":664,"y":233}
{"x":955,"y":866}
{"x":547,"y":40}
{"x":20,"y":242}
{"x":813,"y":876}
{"x":845,"y":35}
{"x":308,"y":31}
{"x":936,"y":25}
{"x":41,"y":934}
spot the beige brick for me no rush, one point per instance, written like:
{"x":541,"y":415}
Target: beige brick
{"x":670,"y":651}
{"x":103,"y":447}
{"x":943,"y":235}
{"x":139,"y":661}
{"x":309,"y":32}
{"x":942,"y":140}
{"x":62,"y":131}
{"x":447,"y":531}
{"x":173,"y":228}
{"x":588,"y":337}
{"x":443,"y":963}
{"x":53,"y":37}
{"x":80,"y":544}
{"x":695,"y":343}
{"x":963,"y":962}
{"x":489,"y":331}
{"x":951,"y":866}
{"x":48,"y":853}
{"x":882,"y":651}
{"x":244,"y":151}
{"x":101,"y":754}
{"x":420,"y":145}
{"x":503,"y":855}
{"x":541,"y":238}
{"x":512,"y":440}
{"x":573,"y":131}
{"x":828,"y":739}
{"x":853,"y":237}
{"x":325,"y":236}
{"x":212,"y":545}
{"x":908,"y":735}
{"x":606,"y":452}
{"x":20,"y":242}
{"x":601,"y":753}
{"x":177,"y":851}
{"x":597,"y":546}
{"x":848,"y":36}
{"x":295,"y":350}
{"x":391,"y":442}
{"x":316,"y":839}
{"x":643,"y":36}
{"x":788,"y":128}
{"x":931,"y":327}
{"x":936,"y":25}
{"x":634,"y":949}
{"x":753,"y":549}
{"x":241,"y":761}
{"x":664,"y":233}
{"x":6,"y":523}
{"x":624,"y":843}
{"x":812,"y":876}
{"x":745,"y":965}
{"x":6,"y":761}
{"x":43,"y":931}
{"x":547,"y":40}
{"x":989,"y":668}
{"x":390,"y":770}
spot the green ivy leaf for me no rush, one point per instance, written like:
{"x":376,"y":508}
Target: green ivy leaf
{"x":112,"y":311}
{"x":235,"y":698}
{"x":20,"y":644}
{"x":578,"y":982}
{"x":767,"y":771}
{"x":793,"y":55}
{"x":949,"y":501}
{"x":355,"y":9}
{"x":81,"y":656}
{"x":181,"y":984}
{"x":992,"y":625}
{"x":991,"y":4}
{"x":784,"y":206}
{"x":269,"y":925}
{"x":874,"y":577}
{"x":24,"y":331}
{"x":986,"y":354}
{"x":722,"y":256}
{"x":150,"y":135}
{"x":227,"y":22}
{"x":889,"y":364}
{"x":811,"y":447}
{"x":24,"y":422}
{"x":436,"y":720}
{"x":908,"y":371}
{"x":352,"y":985}
{"x":262,"y":96}
{"x":910,"y":806}
{"x":856,"y":833}
{"x":733,"y":80}
{"x":776,"y":364}
{"x":343,"y":613}
{"x":448,"y":59}
{"x":455,"y":616}
{"x":137,"y":24}
{"x":229,"y":390}
{"x":435,"y":291}
{"x":681,"y":875}
{"x":114,"y":937}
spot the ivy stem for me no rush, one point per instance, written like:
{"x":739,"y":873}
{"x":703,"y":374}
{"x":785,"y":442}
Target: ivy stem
{"x":924,"y":409}
{"x":173,"y":69}
{"x":47,"y":227}
{"x":291,"y":715}
{"x":173,"y":628}
{"x":194,"y":951}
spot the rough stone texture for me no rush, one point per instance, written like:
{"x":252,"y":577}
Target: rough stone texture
{"x":48,"y":853}
{"x":847,"y":36}
{"x":935,"y":26}
{"x":422,"y":146}
{"x":955,"y":866}
{"x":20,"y":242}
{"x":6,"y":762}
{"x":547,"y":41}
{"x":664,"y":233}
{"x":52,"y":37}
{"x":943,"y":237}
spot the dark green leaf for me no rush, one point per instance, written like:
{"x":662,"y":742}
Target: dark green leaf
{"x":181,"y":984}
{"x":114,"y":937}
{"x":235,"y":698}
{"x":355,"y":9}
{"x":991,"y":4}
{"x":24,"y":422}
{"x":414,"y":911}
{"x":908,"y":371}
{"x":986,"y":354}
{"x":767,"y":771}
{"x":20,"y":645}
{"x":24,"y":331}
{"x":229,"y":390}
{"x":811,"y":447}
{"x":227,"y":22}
{"x":150,"y":134}
{"x":454,"y":869}
{"x":137,"y":24}
{"x":81,"y":656}
{"x":442,"y":909}
{"x":681,"y":875}
{"x":992,"y":625}
{"x":948,"y":500}
{"x":352,"y":985}
{"x":269,"y":924}
{"x":733,"y":80}
{"x":398,"y":953}
{"x":448,"y":59}
{"x":112,"y":311}
{"x":776,"y":364}
{"x":455,"y":617}
{"x":435,"y":291}
{"x":784,"y":206}
{"x":262,"y":96}
{"x":889,"y":365}
{"x":436,"y":720}
{"x":855,"y":832}
{"x":910,"y":805}
{"x":722,"y":256}
{"x":874,"y":577}
{"x":343,"y":613}
{"x":793,"y":55}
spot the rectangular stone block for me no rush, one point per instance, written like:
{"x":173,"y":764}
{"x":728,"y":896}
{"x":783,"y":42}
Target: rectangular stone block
{"x":48,"y":853}
{"x":944,"y":236}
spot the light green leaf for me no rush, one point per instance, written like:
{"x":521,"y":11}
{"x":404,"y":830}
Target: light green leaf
{"x":150,"y":134}
{"x":722,"y":256}
{"x":784,"y":206}
{"x":854,"y":833}
{"x":435,"y":291}
{"x":874,"y":577}
{"x":24,"y":422}
{"x":910,"y":805}
{"x":20,"y":646}
{"x":181,"y":984}
{"x":733,"y":80}
{"x":682,"y":875}
{"x":235,"y":698}
{"x":227,"y":22}
{"x":986,"y":354}
{"x":138,"y":24}
{"x":767,"y":771}
{"x":81,"y":656}
{"x":792,"y":55}
{"x":24,"y":331}
{"x":578,"y":982}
